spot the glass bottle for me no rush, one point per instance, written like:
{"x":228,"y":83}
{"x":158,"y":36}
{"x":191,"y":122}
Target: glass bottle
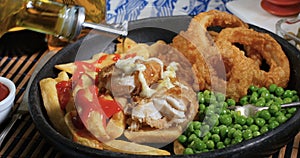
{"x":43,"y":16}
{"x":95,"y":10}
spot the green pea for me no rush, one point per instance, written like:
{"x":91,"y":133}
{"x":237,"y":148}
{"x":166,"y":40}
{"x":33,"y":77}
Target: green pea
{"x":237,"y":133}
{"x":279,"y":113}
{"x":196,"y":125}
{"x":272,"y":88}
{"x":201,"y":98}
{"x":231,"y":132}
{"x":272,"y":119}
{"x":237,"y":126}
{"x":206,"y":92}
{"x":227,"y":141}
{"x":199,"y":145}
{"x":220,"y":145}
{"x":260,"y":122}
{"x":288,"y":115}
{"x":269,"y":103}
{"x":255,"y":94}
{"x":266,"y":95}
{"x":253,"y":88}
{"x":202,"y":108}
{"x":207,"y":137}
{"x":253,"y":98}
{"x":204,"y":128}
{"x":182,"y":139}
{"x":281,"y":118}
{"x":244,"y":100}
{"x":241,"y":120}
{"x":198,"y":133}
{"x":188,"y":151}
{"x":261,"y":90}
{"x":224,"y":104}
{"x":273,"y":124}
{"x":247,"y":134}
{"x":212,"y":120}
{"x":237,"y":140}
{"x":260,"y":103}
{"x":287,"y":100}
{"x":245,"y":127}
{"x":192,"y":137}
{"x":231,"y":102}
{"x":256,"y":133}
{"x":264,"y":129}
{"x":261,"y":99}
{"x":210,"y":99}
{"x":278,"y":101}
{"x":288,"y":94}
{"x":225,"y":119}
{"x":210,"y":144}
{"x":224,"y":112}
{"x":190,"y":127}
{"x":265,"y":114}
{"x":216,"y":138}
{"x":295,"y":98}
{"x":210,"y":111}
{"x":292,"y":110}
{"x":294,"y":92}
{"x":223,"y":131}
{"x":254,"y":128}
{"x":220,"y":97}
{"x":215,"y":130}
{"x":273,"y":109}
{"x":249,"y":121}
{"x":279,"y":91}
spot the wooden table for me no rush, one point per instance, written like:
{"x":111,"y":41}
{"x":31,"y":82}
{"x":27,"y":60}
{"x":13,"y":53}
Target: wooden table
{"x":24,"y":140}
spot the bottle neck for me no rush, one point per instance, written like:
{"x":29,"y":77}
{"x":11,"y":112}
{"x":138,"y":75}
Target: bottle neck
{"x":52,"y":18}
{"x":43,"y":16}
{"x":72,"y":22}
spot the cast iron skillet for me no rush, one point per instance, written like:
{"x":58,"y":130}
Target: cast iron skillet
{"x":151,"y":30}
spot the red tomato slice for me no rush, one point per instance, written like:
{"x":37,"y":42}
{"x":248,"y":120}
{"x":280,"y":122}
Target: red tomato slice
{"x":63,"y":89}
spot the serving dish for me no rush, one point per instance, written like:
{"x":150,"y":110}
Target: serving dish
{"x":7,"y":102}
{"x":149,"y":31}
{"x":280,"y":8}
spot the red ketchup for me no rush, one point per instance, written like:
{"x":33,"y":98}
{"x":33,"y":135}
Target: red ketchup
{"x":4,"y":91}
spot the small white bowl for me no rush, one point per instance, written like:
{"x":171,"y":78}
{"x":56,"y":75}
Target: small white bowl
{"x":7,"y":103}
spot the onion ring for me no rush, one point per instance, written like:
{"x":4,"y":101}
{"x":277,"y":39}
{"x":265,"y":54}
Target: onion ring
{"x":259,"y":47}
{"x":196,"y":44}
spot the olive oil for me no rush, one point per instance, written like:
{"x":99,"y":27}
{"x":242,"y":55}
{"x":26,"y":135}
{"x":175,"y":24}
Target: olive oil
{"x":42,"y":16}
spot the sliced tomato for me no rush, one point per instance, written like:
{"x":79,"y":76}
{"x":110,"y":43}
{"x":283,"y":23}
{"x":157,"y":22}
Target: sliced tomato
{"x":110,"y":107}
{"x":63,"y":89}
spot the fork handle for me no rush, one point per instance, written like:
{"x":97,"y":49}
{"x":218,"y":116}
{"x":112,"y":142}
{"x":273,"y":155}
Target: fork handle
{"x":291,"y":104}
{"x":8,"y":127}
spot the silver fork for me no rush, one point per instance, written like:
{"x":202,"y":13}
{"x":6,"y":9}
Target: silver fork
{"x":250,"y":110}
{"x":23,"y":108}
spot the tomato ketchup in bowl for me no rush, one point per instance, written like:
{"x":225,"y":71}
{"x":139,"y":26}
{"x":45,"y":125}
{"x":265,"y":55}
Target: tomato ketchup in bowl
{"x":7,"y":97}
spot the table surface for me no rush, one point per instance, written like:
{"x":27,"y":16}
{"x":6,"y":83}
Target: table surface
{"x":24,"y":140}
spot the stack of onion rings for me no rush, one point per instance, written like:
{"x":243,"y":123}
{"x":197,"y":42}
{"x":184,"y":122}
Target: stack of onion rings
{"x":242,"y":66}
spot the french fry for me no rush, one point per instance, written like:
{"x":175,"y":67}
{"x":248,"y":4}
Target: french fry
{"x":71,"y":67}
{"x":84,"y":138}
{"x":124,"y":45}
{"x":51,"y":102}
{"x":178,"y":148}
{"x":116,"y":125}
{"x":153,"y":136}
{"x":132,"y":148}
